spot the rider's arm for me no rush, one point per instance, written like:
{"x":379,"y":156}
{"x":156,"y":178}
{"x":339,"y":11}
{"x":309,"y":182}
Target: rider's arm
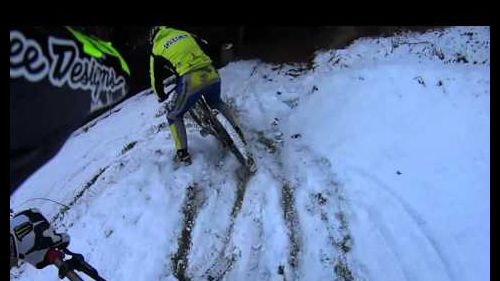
{"x":159,"y":70}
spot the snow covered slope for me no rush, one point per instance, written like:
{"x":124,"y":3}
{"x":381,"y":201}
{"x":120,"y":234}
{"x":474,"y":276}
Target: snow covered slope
{"x":374,"y":164}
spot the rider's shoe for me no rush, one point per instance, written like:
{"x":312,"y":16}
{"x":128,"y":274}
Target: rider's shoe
{"x":182,"y":156}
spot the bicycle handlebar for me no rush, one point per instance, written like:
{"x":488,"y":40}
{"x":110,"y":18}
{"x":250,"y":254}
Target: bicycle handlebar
{"x":55,"y":257}
{"x":67,"y":267}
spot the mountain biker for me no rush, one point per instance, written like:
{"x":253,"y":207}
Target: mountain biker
{"x":177,"y":53}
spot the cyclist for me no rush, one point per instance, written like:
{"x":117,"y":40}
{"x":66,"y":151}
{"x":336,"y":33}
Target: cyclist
{"x":177,"y":54}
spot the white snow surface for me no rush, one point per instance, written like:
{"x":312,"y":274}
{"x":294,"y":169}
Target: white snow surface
{"x":373,"y":164}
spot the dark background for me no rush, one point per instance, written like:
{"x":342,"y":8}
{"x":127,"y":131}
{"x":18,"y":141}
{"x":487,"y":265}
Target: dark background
{"x":273,"y":44}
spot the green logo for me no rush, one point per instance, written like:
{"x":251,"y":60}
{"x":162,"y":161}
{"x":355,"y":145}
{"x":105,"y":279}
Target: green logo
{"x":96,"y":48}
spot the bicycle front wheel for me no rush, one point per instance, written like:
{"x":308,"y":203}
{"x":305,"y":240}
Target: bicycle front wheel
{"x":228,"y":136}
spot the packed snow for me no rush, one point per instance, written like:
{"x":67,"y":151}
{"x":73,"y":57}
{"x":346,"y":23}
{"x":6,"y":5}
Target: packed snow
{"x":373,"y":164}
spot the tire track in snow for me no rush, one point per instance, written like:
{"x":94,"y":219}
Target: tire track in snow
{"x":228,"y":255}
{"x":292,"y":223}
{"x":338,"y":235}
{"x":330,"y":202}
{"x":338,"y":231}
{"x":193,"y":201}
{"x":256,"y":239}
{"x":419,"y":223}
{"x":288,"y":205}
{"x":375,"y":219}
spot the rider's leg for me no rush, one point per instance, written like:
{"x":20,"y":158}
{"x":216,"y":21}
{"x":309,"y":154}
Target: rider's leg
{"x":186,"y":98}
{"x":178,"y":132}
{"x":212,"y":95}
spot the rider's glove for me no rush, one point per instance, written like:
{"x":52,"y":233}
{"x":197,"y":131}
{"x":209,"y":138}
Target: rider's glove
{"x":169,"y":86}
